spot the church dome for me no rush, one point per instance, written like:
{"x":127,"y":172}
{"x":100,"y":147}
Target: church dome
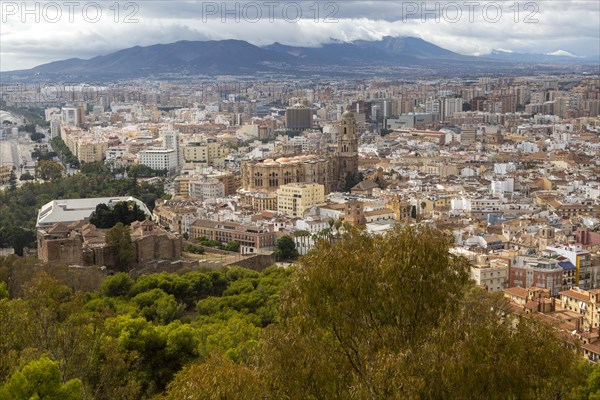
{"x":348,"y":114}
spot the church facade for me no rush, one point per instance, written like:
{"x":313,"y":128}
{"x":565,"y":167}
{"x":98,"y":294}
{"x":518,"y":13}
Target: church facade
{"x":330,"y":170}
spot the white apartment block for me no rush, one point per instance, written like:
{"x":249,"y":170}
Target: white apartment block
{"x":493,"y":276}
{"x":71,"y":116}
{"x":206,"y":188}
{"x":159,"y":159}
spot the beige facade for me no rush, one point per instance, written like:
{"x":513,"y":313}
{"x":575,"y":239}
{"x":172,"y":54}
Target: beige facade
{"x":90,"y":150}
{"x":270,"y":174}
{"x":294,"y":199}
{"x":259,"y":200}
{"x":584,"y":302}
{"x":251,"y":238}
{"x":207,"y":152}
{"x":228,"y":179}
{"x":329,"y":171}
{"x":83,"y":145}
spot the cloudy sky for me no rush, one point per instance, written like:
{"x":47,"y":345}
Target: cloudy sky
{"x":52,"y":30}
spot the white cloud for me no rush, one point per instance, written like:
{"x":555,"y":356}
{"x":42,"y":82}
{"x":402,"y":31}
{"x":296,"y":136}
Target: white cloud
{"x":569,"y":25}
{"x":561,"y":53}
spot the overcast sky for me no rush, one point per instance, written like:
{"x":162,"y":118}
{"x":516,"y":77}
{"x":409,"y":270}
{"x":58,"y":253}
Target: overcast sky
{"x":49,"y":31}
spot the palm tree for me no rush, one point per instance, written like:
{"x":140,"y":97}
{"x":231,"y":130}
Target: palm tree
{"x":337,"y":225}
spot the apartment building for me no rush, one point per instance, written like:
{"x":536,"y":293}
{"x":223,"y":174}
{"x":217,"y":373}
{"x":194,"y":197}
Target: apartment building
{"x":294,"y":199}
{"x":582,"y":260}
{"x":251,"y":238}
{"x":204,"y":152}
{"x":583,"y":302}
{"x":490,"y":274}
{"x":259,"y":200}
{"x":206,"y":188}
{"x":159,"y":159}
{"x":545,"y":273}
{"x":89,"y":150}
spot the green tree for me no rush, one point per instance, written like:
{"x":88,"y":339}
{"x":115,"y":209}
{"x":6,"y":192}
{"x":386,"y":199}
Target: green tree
{"x":20,"y":238}
{"x":26,"y":177}
{"x":232,"y":246}
{"x":95,"y":168}
{"x":156,"y":305}
{"x":3,"y":291}
{"x":40,"y":379}
{"x":589,"y":386}
{"x":105,"y":217}
{"x":36,"y":137}
{"x":119,"y":237}
{"x":235,"y":382}
{"x":143,"y":171}
{"x":286,"y":248}
{"x":49,"y":170}
{"x":117,"y":285}
{"x":12,"y":181}
{"x":395,"y":317}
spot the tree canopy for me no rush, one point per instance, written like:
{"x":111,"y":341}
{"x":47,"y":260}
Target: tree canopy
{"x":40,"y":379}
{"x":369,"y":317}
{"x":396,"y":317}
{"x":19,"y":207}
{"x":119,"y":237}
{"x":286,"y":248}
{"x":105,"y":217}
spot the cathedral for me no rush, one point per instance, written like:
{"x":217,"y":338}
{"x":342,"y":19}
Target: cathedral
{"x":330,"y":170}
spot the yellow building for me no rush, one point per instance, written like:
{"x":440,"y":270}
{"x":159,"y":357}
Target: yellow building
{"x":585,"y":303}
{"x":259,"y":200}
{"x":182,"y":185}
{"x":90,"y":150}
{"x":402,"y":209}
{"x":204,"y":152}
{"x":295,"y":198}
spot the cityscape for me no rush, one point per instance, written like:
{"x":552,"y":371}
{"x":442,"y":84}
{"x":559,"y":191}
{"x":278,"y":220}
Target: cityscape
{"x":389,"y":216}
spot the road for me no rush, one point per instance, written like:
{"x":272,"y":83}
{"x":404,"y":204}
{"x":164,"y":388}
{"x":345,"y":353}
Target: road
{"x":10,"y":153}
{"x":16,"y":151}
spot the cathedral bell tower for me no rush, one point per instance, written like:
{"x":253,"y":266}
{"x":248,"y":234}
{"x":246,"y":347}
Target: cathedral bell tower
{"x":347,"y":148}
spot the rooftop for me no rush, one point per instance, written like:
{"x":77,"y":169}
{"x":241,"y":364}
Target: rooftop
{"x":71,"y":210}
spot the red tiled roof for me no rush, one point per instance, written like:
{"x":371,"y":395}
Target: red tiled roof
{"x":576,"y":295}
{"x":517,"y":291}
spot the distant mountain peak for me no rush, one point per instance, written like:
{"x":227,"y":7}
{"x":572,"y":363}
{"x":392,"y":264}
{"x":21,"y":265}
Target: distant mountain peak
{"x":561,"y":53}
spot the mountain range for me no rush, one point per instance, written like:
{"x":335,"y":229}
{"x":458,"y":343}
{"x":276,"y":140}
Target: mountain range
{"x":237,"y":57}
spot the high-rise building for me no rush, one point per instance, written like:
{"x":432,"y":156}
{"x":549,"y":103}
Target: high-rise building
{"x":298,"y":117}
{"x":72,"y":116}
{"x":451,"y":106}
{"x":468,"y":135}
{"x":171,"y":138}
